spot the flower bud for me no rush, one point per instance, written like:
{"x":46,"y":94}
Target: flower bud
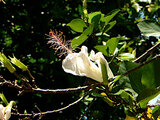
{"x":18,"y":63}
{"x":7,"y":63}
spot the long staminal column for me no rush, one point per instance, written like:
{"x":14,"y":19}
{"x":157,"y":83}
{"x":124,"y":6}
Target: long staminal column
{"x":58,"y":43}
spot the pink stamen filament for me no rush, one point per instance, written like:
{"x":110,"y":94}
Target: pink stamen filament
{"x":60,"y":42}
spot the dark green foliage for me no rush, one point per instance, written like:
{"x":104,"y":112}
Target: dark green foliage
{"x":113,"y":27}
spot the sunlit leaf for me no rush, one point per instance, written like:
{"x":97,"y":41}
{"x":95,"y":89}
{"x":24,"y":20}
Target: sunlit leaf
{"x":147,"y":1}
{"x":102,"y":48}
{"x":146,"y":95}
{"x":134,"y":77}
{"x":150,"y":75}
{"x":94,"y":17}
{"x":78,"y":40}
{"x":126,"y":56}
{"x":77,"y":25}
{"x":109,"y":48}
{"x":109,"y":17}
{"x":89,"y":30}
{"x":109,"y":26}
{"x":112,"y":44}
{"x":124,"y":95}
{"x":149,"y":28}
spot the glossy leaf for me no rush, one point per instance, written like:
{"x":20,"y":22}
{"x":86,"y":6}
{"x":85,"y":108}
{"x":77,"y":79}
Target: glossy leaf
{"x":102,"y":48}
{"x":149,"y":28}
{"x":109,"y":48}
{"x":109,"y":17}
{"x":146,"y":95}
{"x":124,"y":95}
{"x":126,"y":56}
{"x":78,"y":40}
{"x":150,"y":74}
{"x":134,"y":77}
{"x":77,"y":25}
{"x":89,"y":30}
{"x":109,"y":26}
{"x":94,"y":17}
{"x":112,"y":44}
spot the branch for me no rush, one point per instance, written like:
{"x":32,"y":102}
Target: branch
{"x":141,"y":65}
{"x":146,"y":53}
{"x":48,"y":112}
{"x":26,"y":88}
{"x":68,"y":90}
{"x":154,"y":105}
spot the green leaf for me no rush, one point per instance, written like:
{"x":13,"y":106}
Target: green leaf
{"x":124,"y":95}
{"x":109,"y":26}
{"x":146,"y":95}
{"x":102,"y":48}
{"x":78,"y":40}
{"x":94,"y":17}
{"x":147,"y":1}
{"x":109,"y":17}
{"x":108,"y":100}
{"x":156,"y":112}
{"x":89,"y":30}
{"x":97,"y":94}
{"x":149,"y":28}
{"x":126,"y":56}
{"x":77,"y":25}
{"x":124,"y":79}
{"x":144,"y":81}
{"x":150,"y":75}
{"x":109,"y":48}
{"x":134,"y":77}
{"x":112,"y":44}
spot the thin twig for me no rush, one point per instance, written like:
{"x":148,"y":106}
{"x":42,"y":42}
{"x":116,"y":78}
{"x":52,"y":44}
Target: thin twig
{"x":48,"y":112}
{"x":85,"y":112}
{"x":33,"y":79}
{"x":141,"y":65}
{"x":153,"y":105}
{"x":28,"y":88}
{"x":68,"y":90}
{"x":146,"y":53}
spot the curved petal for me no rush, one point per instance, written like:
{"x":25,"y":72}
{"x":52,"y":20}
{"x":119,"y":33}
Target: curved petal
{"x":82,"y":65}
{"x":96,"y":57}
{"x":7,"y":113}
{"x":1,"y":113}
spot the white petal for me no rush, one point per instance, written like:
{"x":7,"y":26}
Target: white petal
{"x":1,"y":113}
{"x":96,"y":57}
{"x":7,"y":113}
{"x":82,"y":65}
